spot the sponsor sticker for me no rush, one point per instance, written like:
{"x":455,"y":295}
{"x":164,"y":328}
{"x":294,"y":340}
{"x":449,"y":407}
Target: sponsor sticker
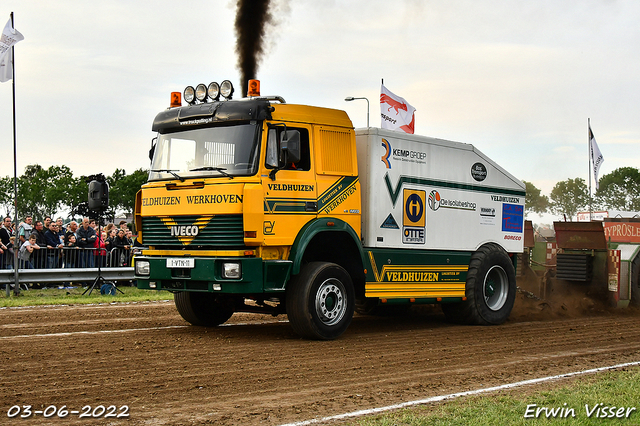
{"x":479,"y":172}
{"x":399,"y":154}
{"x":436,"y":201}
{"x":487,"y":215}
{"x":390,"y":223}
{"x":512,"y":217}
{"x":385,"y":158}
{"x":414,"y":203}
{"x":414,"y":218}
{"x":488,"y":211}
{"x":411,"y":235}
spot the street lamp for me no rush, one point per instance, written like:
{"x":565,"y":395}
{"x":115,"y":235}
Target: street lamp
{"x":351,"y":98}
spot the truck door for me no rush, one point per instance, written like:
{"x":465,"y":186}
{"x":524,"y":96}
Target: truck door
{"x":290,"y":192}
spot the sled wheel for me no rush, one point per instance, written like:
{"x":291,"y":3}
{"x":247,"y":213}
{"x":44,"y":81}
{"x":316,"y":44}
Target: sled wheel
{"x":320,"y":301}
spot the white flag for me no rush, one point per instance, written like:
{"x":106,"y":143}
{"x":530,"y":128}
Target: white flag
{"x":6,"y":67}
{"x":396,"y":113}
{"x":9,"y":37}
{"x":596,"y":156}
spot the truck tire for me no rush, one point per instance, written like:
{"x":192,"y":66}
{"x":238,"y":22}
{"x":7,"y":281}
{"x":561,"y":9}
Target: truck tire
{"x":490,"y":289}
{"x":320,"y":301}
{"x":203,"y":309}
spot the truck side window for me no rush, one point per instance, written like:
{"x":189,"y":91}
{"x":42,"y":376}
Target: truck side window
{"x":274,"y":157}
{"x":272,"y":149}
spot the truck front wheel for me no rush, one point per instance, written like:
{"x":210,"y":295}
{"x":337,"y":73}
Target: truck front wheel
{"x":320,"y":301}
{"x":204,"y":309}
{"x":490,"y":289}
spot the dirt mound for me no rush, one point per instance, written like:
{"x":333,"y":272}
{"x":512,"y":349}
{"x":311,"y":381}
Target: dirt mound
{"x":542,"y":296}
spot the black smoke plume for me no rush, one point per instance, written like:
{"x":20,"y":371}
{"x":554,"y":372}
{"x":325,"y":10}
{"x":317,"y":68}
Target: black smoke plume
{"x":252,"y":18}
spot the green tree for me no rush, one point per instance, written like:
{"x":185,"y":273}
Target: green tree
{"x":44,"y":191}
{"x":6,"y":196}
{"x":620,"y":189}
{"x":31,"y":186}
{"x":59,"y":180}
{"x":569,"y":197}
{"x":534,"y":201}
{"x":78,"y":195}
{"x":123,"y":188}
{"x":48,"y":191}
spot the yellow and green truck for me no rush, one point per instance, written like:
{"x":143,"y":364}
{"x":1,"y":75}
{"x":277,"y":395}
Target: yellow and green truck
{"x":257,"y":205}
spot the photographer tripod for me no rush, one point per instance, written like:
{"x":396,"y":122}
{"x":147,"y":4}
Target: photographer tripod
{"x":106,"y":287}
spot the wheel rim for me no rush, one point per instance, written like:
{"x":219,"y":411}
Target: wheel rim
{"x":331,"y":303}
{"x":495,"y":288}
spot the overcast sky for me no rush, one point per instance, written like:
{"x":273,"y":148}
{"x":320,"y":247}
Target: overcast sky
{"x":517,"y":79}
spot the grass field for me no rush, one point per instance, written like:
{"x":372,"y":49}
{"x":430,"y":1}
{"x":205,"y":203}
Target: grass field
{"x":73,"y":296}
{"x":600,"y":399}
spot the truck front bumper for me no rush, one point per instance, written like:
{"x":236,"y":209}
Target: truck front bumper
{"x":209,"y":274}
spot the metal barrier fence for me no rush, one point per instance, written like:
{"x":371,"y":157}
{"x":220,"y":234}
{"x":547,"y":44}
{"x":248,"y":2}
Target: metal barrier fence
{"x":69,"y":264}
{"x":73,"y":257}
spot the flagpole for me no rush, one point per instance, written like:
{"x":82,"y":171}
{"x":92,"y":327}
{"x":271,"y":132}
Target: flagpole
{"x":16,"y":288}
{"x":589,"y":174}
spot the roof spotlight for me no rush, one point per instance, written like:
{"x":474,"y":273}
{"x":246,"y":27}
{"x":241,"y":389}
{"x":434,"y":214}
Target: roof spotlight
{"x":190,"y":95}
{"x":201,"y":92}
{"x":213,"y":91}
{"x":226,"y":89}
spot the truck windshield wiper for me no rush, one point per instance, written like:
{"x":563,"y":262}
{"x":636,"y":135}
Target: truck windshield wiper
{"x":169,"y":171}
{"x":221,"y":170}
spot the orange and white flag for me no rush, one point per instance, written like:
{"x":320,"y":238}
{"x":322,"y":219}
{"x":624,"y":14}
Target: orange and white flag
{"x":395,"y":112}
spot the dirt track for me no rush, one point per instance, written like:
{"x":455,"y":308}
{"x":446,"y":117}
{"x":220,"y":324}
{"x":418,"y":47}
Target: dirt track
{"x":256,"y":371}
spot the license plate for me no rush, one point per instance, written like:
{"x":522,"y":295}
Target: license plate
{"x":181,"y":263}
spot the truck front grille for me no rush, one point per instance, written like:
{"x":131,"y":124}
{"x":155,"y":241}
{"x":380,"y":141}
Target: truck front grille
{"x":213,"y":232}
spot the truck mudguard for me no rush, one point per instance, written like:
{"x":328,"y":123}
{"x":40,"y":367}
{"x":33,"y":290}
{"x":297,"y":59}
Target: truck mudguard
{"x":315,"y":227}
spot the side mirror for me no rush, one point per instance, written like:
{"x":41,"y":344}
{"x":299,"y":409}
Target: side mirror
{"x":153,"y":148}
{"x":290,"y":144}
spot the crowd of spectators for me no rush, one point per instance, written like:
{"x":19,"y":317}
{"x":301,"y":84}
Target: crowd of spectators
{"x":50,"y":244}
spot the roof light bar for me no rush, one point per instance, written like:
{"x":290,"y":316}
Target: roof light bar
{"x":213,"y":92}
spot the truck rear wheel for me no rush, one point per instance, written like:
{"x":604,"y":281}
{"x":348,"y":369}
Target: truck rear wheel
{"x":320,"y":301}
{"x":203,"y":309}
{"x":490,"y":289}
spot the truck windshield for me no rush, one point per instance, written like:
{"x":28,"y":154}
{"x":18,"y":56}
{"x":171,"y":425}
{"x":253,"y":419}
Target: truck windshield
{"x":210,"y":152}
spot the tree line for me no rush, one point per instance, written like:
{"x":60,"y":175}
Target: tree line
{"x":50,"y":191}
{"x":618,"y":190}
{"x":43,"y":192}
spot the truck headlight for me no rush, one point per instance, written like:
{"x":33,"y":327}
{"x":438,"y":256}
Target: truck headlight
{"x":231,"y":270}
{"x":190,"y":95}
{"x":226,"y":89}
{"x":213,"y":91}
{"x":142,"y":267}
{"x":201,"y":92}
